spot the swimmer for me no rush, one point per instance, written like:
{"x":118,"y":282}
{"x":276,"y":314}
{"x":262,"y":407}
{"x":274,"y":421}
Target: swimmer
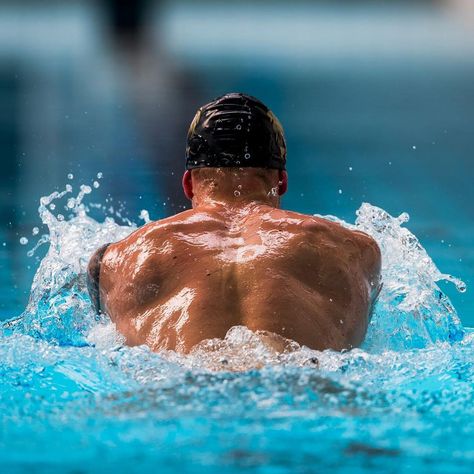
{"x":236,"y":258}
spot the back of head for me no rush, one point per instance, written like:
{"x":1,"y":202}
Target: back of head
{"x":235,"y":131}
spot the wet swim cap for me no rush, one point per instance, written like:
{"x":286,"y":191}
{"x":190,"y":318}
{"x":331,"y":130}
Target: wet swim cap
{"x":235,"y":130}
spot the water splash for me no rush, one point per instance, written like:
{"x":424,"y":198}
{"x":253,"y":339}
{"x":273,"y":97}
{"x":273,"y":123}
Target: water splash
{"x":412,"y":310}
{"x":59,"y":309}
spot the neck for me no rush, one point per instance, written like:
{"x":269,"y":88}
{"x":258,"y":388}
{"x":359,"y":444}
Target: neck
{"x":234,"y":201}
{"x":235,"y":189}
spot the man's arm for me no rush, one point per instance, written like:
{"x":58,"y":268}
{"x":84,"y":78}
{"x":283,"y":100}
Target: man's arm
{"x":93,"y":276}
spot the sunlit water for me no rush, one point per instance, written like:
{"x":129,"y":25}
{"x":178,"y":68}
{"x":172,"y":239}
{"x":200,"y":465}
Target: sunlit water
{"x":73,"y":398}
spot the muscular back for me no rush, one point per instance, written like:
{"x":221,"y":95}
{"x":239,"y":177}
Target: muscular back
{"x":176,"y":282}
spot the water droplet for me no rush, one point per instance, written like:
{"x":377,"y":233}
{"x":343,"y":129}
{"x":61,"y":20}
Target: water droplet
{"x":23,"y":241}
{"x":35,"y":231}
{"x":71,"y":202}
{"x":238,"y":127}
{"x":52,"y":207}
{"x":96,"y":185}
{"x":340,"y":191}
{"x":273,"y":192}
{"x":86,"y":189}
{"x":145,"y":216}
{"x":414,"y":147}
{"x":404,"y":217}
{"x":68,"y":188}
{"x":247,"y":156}
{"x":236,"y":193}
{"x":99,"y":175}
{"x":350,"y":168}
{"x":70,"y":176}
{"x":239,"y":186}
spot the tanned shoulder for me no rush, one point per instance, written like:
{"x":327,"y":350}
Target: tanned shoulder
{"x":370,"y":250}
{"x":371,"y":262}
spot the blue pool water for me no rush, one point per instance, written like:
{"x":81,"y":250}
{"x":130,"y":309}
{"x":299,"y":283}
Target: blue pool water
{"x":74,"y":399}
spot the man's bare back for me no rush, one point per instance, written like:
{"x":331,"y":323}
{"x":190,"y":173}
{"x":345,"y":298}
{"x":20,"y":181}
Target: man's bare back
{"x":236,"y":258}
{"x":193,"y":276}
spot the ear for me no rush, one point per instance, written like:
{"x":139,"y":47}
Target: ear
{"x":283,"y":182}
{"x":187,"y":184}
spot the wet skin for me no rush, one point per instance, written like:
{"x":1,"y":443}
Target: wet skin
{"x":190,"y":277}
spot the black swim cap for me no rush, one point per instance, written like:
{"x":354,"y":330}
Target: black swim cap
{"x":235,"y":130}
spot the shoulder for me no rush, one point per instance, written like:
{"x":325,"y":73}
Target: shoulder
{"x":371,"y":257}
{"x":149,"y":239}
{"x":359,"y":243}
{"x":159,"y":227}
{"x":368,"y":245}
{"x":328,"y":227}
{"x":110,"y":259}
{"x":147,"y":232}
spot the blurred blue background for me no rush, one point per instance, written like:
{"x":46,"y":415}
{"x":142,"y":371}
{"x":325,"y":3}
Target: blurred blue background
{"x":376,"y":97}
